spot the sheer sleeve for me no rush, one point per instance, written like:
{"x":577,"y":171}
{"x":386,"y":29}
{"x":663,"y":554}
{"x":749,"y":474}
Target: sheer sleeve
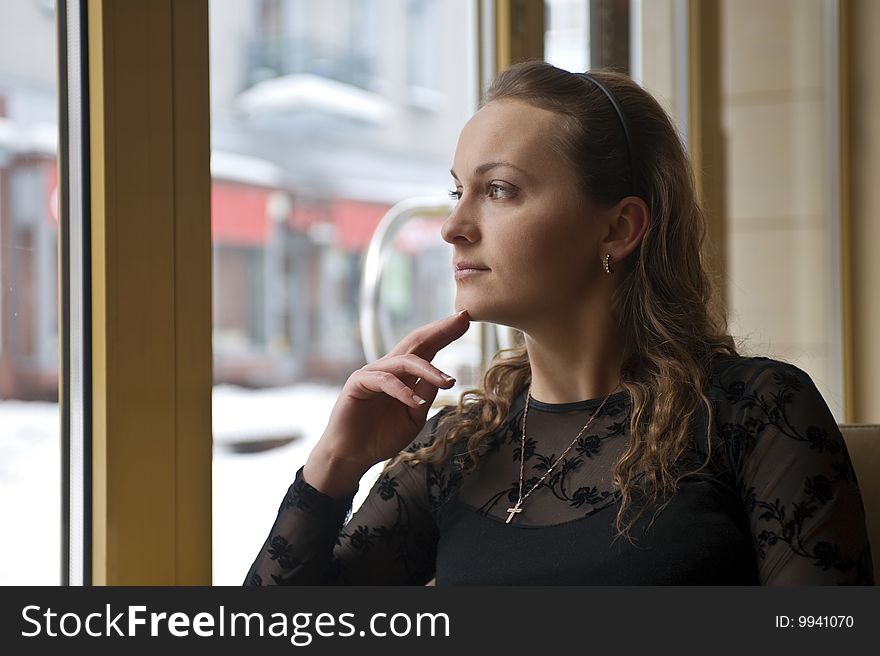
{"x":799,"y":487}
{"x":390,"y":540}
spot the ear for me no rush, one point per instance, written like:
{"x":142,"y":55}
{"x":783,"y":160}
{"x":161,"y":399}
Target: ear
{"x":627,"y":223}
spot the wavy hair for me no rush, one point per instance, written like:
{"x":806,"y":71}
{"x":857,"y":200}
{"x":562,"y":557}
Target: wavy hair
{"x":672,"y":324}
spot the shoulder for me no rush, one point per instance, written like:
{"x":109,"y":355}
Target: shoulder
{"x":764,"y":403}
{"x":753,"y":397}
{"x":741,"y":381}
{"x":748,"y":369}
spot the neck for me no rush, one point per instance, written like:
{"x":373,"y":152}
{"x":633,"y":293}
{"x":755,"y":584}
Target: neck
{"x":575,"y":360}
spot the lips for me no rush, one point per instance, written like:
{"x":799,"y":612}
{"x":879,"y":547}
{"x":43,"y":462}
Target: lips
{"x":462,"y":265}
{"x":465,"y":269}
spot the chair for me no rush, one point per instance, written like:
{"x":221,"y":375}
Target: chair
{"x":863,"y":445}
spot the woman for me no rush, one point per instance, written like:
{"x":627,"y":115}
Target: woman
{"x":625,"y":441}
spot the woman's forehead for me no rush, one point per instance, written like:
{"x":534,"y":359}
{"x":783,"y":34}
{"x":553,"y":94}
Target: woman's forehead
{"x":508,"y":130}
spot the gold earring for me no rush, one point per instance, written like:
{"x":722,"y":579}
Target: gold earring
{"x":608,"y":268}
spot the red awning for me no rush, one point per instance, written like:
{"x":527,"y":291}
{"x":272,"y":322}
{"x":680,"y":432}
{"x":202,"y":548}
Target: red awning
{"x":52,"y":207}
{"x":239,"y":214}
{"x":354,"y":222}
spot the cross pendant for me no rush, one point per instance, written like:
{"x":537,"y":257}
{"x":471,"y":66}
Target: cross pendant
{"x":512,"y":511}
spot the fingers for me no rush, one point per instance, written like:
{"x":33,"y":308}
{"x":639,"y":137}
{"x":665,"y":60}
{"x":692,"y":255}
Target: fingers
{"x":391,"y":385}
{"x":409,"y":367}
{"x":425,"y":390}
{"x":403,"y":376}
{"x":427,"y":340}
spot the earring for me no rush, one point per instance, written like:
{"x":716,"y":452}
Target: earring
{"x":608,"y":268}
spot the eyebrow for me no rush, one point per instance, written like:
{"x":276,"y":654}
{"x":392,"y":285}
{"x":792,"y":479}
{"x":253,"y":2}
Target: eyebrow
{"x":488,"y":166}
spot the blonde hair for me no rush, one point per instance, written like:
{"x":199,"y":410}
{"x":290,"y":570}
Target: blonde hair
{"x":664,"y":304}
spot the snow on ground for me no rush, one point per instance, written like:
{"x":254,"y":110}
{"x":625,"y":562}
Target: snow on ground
{"x":30,"y":493}
{"x":247,"y":486}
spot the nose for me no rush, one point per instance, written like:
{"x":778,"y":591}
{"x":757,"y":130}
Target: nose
{"x":460,"y":224}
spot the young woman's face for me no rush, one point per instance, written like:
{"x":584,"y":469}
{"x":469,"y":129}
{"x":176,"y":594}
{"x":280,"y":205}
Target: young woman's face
{"x":521,"y":218}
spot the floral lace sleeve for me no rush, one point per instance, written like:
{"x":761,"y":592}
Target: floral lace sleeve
{"x":390,"y":540}
{"x":798,"y":484}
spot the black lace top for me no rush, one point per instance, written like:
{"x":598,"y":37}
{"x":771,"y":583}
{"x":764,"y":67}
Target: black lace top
{"x":780,"y":504}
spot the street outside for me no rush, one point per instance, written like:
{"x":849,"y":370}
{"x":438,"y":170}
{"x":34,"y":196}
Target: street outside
{"x":248,"y":483}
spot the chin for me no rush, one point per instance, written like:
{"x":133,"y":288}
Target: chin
{"x":486,"y":312}
{"x":473,"y":313}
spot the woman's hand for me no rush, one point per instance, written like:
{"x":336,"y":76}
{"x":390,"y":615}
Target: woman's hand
{"x":377,"y":413}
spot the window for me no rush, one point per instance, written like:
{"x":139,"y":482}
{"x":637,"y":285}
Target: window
{"x":318,"y":130}
{"x":778,"y":113}
{"x":567,"y":37}
{"x":30,"y":445}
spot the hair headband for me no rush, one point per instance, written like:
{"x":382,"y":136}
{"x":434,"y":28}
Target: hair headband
{"x":629,"y":148}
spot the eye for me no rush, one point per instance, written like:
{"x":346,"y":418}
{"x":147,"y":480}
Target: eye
{"x":497,"y":191}
{"x":455,"y":194}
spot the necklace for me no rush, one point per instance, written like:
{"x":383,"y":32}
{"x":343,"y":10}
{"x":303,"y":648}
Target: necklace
{"x":517,"y":508}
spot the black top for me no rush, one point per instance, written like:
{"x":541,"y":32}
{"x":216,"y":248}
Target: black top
{"x":779,"y":506}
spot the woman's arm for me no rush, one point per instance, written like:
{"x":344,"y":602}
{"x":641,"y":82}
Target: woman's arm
{"x":390,"y":540}
{"x":799,"y":487}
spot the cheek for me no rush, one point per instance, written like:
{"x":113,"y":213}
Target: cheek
{"x":542,"y":249}
{"x":552,"y":253}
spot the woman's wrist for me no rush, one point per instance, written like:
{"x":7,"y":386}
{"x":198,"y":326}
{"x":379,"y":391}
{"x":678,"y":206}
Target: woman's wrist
{"x":331,"y":475}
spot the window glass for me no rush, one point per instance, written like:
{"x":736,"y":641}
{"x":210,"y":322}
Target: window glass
{"x":777,"y":113}
{"x":779,"y":141}
{"x":30,"y":446}
{"x":567,"y":34}
{"x":658,"y":60}
{"x":325,"y":115}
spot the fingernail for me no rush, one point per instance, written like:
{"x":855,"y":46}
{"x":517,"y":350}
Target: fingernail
{"x":461,"y":313}
{"x":418,"y":399}
{"x":448,"y":378}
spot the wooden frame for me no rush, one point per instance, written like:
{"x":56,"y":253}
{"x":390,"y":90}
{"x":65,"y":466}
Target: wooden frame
{"x":151,"y":291}
{"x":704,"y":135}
{"x":519,"y":31}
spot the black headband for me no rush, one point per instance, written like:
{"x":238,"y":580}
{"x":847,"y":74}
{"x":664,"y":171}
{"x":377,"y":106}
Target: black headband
{"x":629,"y":148}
